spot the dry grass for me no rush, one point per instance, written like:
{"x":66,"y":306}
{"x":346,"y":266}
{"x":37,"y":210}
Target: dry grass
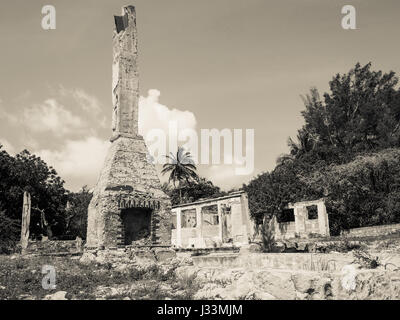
{"x":21,"y":276}
{"x":320,"y":264}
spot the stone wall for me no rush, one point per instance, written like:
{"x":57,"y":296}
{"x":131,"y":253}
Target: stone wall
{"x":373,"y":231}
{"x":294,"y":261}
{"x":215,"y":221}
{"x":274,"y":276}
{"x":54,"y":246}
{"x":285,"y":230}
{"x":303,"y":225}
{"x":278,"y":284}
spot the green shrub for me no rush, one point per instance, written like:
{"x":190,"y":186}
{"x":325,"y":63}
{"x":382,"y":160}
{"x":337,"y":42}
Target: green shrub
{"x":268,"y":235}
{"x":363,"y":192}
{"x":9,"y":234}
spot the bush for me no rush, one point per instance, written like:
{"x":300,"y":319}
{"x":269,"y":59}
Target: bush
{"x":361,"y":193}
{"x":268,"y":235}
{"x":329,"y":158}
{"x":9,"y":234}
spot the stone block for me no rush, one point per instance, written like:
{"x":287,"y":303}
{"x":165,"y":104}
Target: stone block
{"x":164,"y":254}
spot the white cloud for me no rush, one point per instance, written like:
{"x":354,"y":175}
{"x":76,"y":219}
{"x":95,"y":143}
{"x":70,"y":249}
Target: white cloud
{"x":86,"y":101}
{"x":79,"y":162}
{"x":6,"y":116}
{"x":154,"y":115}
{"x":225,"y":176}
{"x":52,"y":116}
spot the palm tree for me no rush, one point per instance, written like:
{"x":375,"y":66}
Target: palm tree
{"x":181,"y":168}
{"x":297,"y":149}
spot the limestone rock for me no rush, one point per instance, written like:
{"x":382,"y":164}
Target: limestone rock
{"x":277,"y":283}
{"x":164,"y":254}
{"x":210,"y":291}
{"x":106,"y":292}
{"x":349,"y":279}
{"x":255,"y":247}
{"x":26,"y":297}
{"x":143,"y":254}
{"x":259,"y":295}
{"x":87,"y":258}
{"x":59,"y":295}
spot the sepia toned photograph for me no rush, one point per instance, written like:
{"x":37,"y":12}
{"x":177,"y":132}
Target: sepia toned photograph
{"x":200,"y":154}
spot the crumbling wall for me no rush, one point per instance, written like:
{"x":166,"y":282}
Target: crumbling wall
{"x":219,"y":220}
{"x":55,"y":246}
{"x":373,"y":231}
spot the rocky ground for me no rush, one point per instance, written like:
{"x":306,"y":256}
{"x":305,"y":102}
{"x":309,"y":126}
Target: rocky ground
{"x":272,"y":284}
{"x":93,"y":277}
{"x":371,"y":272}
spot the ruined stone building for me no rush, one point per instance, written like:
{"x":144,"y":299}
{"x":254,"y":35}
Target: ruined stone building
{"x":309,"y":218}
{"x":212,"y":222}
{"x":128,"y":205}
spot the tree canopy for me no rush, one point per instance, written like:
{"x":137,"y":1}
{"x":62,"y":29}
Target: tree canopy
{"x":27,"y":172}
{"x":359,"y":116}
{"x":192,"y":191}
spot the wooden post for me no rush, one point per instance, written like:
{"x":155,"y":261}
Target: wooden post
{"x":26,"y":219}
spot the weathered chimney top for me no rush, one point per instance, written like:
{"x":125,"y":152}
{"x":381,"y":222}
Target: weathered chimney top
{"x":122,"y":22}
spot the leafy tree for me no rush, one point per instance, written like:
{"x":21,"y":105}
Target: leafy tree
{"x":341,"y":153}
{"x":181,"y":168}
{"x":27,"y":172}
{"x":270,"y":192}
{"x":361,"y":113}
{"x":77,"y":212}
{"x":303,"y":145}
{"x":363,"y":192}
{"x":190,"y":192}
{"x":9,"y":231}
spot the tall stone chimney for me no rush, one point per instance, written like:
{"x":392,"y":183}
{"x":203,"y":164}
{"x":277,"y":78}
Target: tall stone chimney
{"x":128,"y":205}
{"x":125,"y":83}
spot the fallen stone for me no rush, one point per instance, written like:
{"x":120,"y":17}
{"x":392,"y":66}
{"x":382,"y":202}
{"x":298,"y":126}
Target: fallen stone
{"x":259,"y":295}
{"x":106,"y":292}
{"x":279,"y":247}
{"x":255,"y":247}
{"x":349,"y":279}
{"x":26,"y":297}
{"x":144,"y":254}
{"x":59,"y":295}
{"x":87,"y":258}
{"x":164,"y":254}
{"x":302,"y":246}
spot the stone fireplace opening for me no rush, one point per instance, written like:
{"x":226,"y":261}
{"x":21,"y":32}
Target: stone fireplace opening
{"x":136,"y":224}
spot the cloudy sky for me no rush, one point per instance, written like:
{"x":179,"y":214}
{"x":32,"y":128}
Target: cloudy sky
{"x":210,"y":64}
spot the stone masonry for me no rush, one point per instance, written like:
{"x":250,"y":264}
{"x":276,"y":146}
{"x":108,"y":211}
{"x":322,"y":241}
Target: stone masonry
{"x":231,"y":223}
{"x":128,"y":205}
